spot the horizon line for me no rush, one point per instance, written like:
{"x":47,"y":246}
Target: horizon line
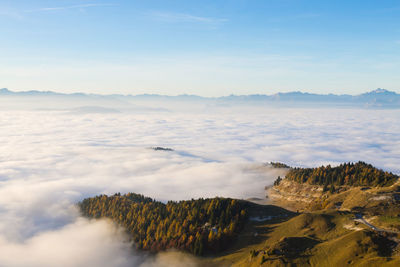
{"x":5,"y":89}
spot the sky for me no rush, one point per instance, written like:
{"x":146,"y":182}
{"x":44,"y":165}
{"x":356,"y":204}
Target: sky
{"x":208,"y":48}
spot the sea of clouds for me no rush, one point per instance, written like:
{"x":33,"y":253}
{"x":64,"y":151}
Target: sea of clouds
{"x":50,"y":160}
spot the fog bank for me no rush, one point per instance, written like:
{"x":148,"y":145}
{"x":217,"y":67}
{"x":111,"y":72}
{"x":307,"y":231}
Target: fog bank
{"x":50,"y":160}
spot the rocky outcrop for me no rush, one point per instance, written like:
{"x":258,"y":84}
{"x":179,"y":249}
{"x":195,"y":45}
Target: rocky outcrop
{"x":292,"y":191}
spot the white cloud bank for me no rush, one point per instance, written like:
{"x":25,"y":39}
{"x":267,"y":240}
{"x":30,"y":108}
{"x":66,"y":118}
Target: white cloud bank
{"x":51,"y":160}
{"x":82,"y":243}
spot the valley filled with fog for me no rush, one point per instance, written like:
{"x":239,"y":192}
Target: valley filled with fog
{"x":52,"y":159}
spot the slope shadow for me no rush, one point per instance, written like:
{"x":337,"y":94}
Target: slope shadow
{"x":256,"y":231}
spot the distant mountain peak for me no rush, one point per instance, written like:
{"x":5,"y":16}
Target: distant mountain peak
{"x":380,"y":98}
{"x":381,"y":91}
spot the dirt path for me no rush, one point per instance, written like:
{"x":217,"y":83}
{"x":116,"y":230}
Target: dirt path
{"x":359,"y":218}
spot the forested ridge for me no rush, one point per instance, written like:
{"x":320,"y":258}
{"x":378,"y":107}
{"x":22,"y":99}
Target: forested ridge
{"x":197,"y":226}
{"x":279,"y":165}
{"x":352,"y":174}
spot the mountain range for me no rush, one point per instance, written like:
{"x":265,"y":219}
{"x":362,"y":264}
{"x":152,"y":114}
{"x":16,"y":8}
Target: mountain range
{"x":379,"y":98}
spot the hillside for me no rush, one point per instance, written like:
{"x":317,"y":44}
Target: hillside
{"x":358,"y":188}
{"x":197,"y":226}
{"x":328,"y":238}
{"x":350,"y":225}
{"x":353,"y":174}
{"x":261,"y":235}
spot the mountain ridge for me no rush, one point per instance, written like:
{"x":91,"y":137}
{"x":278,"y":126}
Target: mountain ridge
{"x":378,"y":91}
{"x":378,"y":98}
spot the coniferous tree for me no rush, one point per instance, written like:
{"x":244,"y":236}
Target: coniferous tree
{"x":196,"y":226}
{"x":358,"y":174}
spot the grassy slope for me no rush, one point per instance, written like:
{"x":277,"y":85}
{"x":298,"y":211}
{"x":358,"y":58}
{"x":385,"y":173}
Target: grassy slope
{"x":253,"y":234}
{"x":310,"y":239}
{"x":322,"y":235}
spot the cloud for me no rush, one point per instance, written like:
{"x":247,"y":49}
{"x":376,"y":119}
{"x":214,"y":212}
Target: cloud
{"x":19,"y":14}
{"x":82,"y":243}
{"x":50,"y":160}
{"x":83,"y":6}
{"x":182,"y":17}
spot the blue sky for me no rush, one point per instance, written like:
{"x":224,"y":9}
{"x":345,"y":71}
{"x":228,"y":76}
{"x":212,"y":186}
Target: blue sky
{"x":208,"y":48}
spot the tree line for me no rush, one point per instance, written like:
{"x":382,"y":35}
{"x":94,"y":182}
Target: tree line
{"x":352,"y":174}
{"x":197,"y":226}
{"x":279,"y":165}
